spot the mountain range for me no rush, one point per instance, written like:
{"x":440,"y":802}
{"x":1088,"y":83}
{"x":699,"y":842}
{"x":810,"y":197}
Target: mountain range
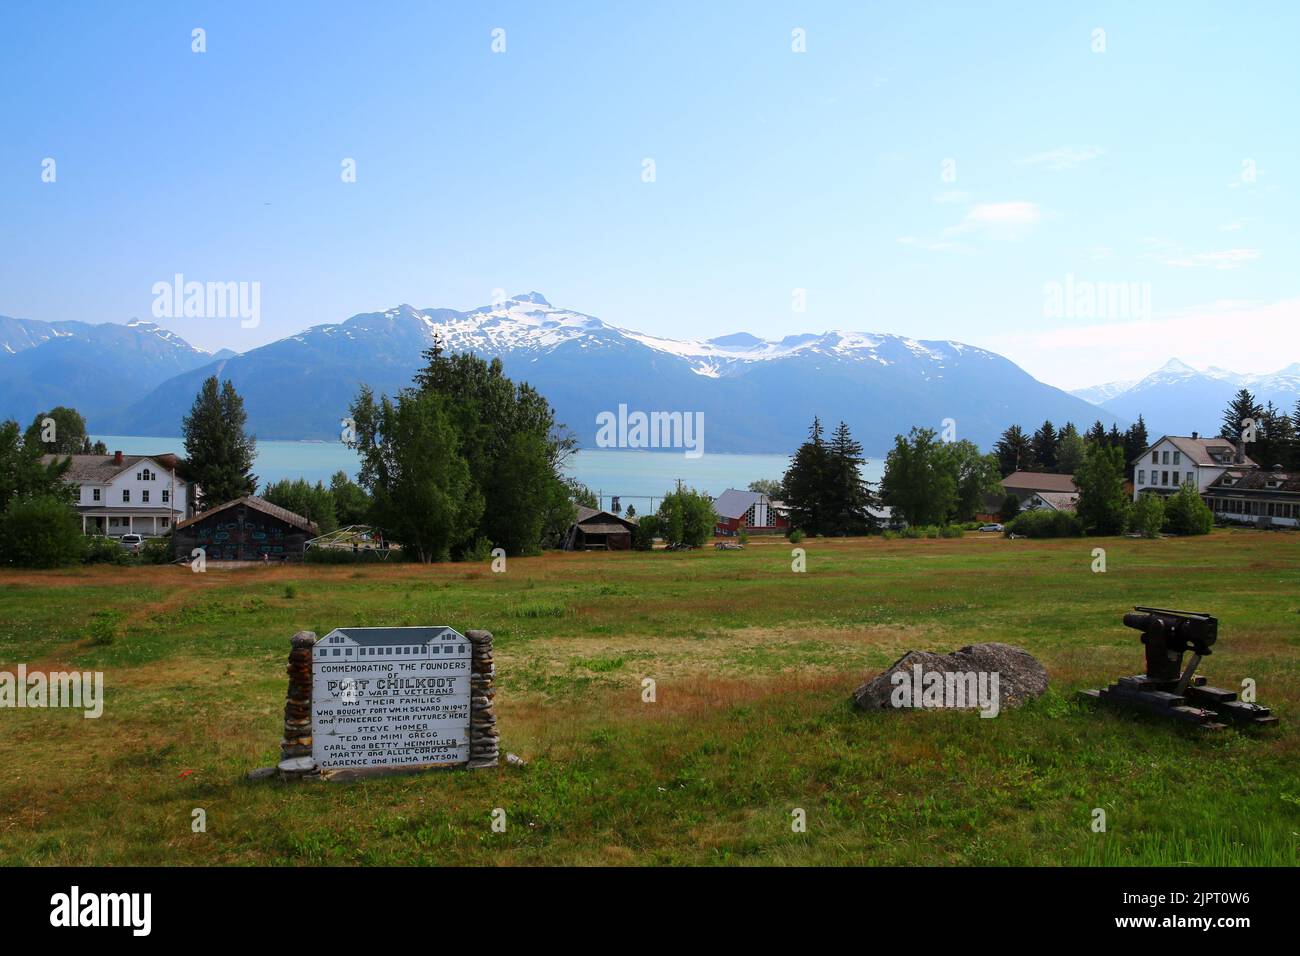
{"x":1182,"y":400}
{"x":756,"y":395}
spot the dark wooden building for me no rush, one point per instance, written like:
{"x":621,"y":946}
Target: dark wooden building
{"x":246,"y":529}
{"x":599,"y":531}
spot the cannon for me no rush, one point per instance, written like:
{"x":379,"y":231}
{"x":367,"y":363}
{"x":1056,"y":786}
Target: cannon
{"x":1168,"y":689}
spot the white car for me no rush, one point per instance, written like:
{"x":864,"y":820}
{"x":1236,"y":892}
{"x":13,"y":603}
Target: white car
{"x":991,"y":527}
{"x":132,"y":542}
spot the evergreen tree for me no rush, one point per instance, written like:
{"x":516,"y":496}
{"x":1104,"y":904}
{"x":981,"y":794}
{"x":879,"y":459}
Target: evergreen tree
{"x":1274,"y":438}
{"x":1103,"y":505}
{"x":1044,"y":447}
{"x":1015,"y":451}
{"x":848,"y":496}
{"x":1135,"y":443}
{"x":220,"y":454}
{"x":1096,"y":434}
{"x":805,"y":483}
{"x":1242,"y":408}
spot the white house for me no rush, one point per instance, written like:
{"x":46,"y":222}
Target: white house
{"x":1174,"y":460}
{"x":354,"y":643}
{"x":128,"y":494}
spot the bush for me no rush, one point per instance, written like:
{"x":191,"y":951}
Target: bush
{"x":102,"y":550}
{"x":103,"y":627}
{"x":1187,"y":513}
{"x":794,"y":536}
{"x":742,"y":538}
{"x":950,"y":531}
{"x":643,"y":536}
{"x":479,"y":551}
{"x":40,"y":532}
{"x":1045,"y":524}
{"x":1148,"y":515}
{"x":157,"y":550}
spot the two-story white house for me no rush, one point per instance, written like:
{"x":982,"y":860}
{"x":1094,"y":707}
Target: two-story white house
{"x":128,"y":494}
{"x":1174,"y":460}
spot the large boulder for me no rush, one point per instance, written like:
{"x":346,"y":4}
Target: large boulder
{"x":1020,"y":676}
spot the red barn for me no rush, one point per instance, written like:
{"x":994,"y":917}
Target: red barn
{"x":748,"y":511}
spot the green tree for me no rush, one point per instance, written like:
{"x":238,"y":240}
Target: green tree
{"x":351,"y":503}
{"x":847,"y":495}
{"x":918,"y":484}
{"x":1149,"y":514}
{"x":220,"y":454}
{"x":67,"y":430}
{"x":1070,"y":449}
{"x":1043,"y":445}
{"x":40,"y":531}
{"x":313,"y":502}
{"x":974,"y":475}
{"x":1015,"y":451}
{"x":422,"y":494}
{"x":686,"y":517}
{"x":806,"y":481}
{"x":24,"y":475}
{"x":1010,"y":508}
{"x":1186,"y":512}
{"x":767,"y":486}
{"x":1241,"y":409}
{"x":1136,"y":441}
{"x":1103,"y":505}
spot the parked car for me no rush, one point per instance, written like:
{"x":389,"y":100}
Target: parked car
{"x":991,"y":527}
{"x":132,"y":542}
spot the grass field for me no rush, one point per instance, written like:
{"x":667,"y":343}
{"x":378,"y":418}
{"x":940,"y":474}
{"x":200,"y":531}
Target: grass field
{"x":754,"y":666}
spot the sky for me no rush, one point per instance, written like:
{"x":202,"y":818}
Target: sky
{"x":1089,"y":188}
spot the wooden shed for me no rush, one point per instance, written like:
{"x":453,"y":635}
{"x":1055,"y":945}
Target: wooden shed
{"x":599,"y":531}
{"x":246,"y":529}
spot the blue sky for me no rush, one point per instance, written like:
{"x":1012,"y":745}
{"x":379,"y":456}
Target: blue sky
{"x":1169,"y":161}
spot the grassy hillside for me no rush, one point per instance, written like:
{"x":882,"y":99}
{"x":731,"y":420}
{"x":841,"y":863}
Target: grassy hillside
{"x":754,"y":666}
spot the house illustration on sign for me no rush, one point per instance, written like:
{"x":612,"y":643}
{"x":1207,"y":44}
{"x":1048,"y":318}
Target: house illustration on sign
{"x":359,"y":643}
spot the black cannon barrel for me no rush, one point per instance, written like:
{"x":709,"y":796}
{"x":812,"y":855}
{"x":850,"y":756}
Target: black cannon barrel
{"x":1138,"y":620}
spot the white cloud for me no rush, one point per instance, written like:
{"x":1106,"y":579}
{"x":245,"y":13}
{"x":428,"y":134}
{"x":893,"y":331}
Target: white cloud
{"x":1221,"y":259}
{"x":1075,"y":356}
{"x":998,"y":220}
{"x":1063,"y":157}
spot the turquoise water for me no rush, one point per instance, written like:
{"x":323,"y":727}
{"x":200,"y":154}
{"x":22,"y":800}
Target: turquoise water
{"x":634,"y":475}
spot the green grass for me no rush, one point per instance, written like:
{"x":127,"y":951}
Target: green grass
{"x":753,"y":667}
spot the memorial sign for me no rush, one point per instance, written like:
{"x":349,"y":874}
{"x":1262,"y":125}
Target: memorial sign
{"x":391,"y":697}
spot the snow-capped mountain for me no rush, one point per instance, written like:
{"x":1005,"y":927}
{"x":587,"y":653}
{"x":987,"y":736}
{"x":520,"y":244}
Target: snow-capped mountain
{"x":756,"y":395}
{"x":91,"y":367}
{"x":1178,"y":399}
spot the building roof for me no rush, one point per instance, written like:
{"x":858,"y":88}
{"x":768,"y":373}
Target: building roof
{"x":1059,"y":500}
{"x":1255,"y":480}
{"x":591,"y":518}
{"x":102,"y":469}
{"x":396,"y":636}
{"x":1039,"y":481}
{"x":257,"y":504}
{"x":1200,"y":451}
{"x":733,"y":503}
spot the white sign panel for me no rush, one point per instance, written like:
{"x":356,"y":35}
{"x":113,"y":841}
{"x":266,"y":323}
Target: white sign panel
{"x":390,"y":697}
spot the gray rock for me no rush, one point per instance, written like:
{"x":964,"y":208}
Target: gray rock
{"x":262,"y":773}
{"x":297,"y":765}
{"x":1020,"y":676}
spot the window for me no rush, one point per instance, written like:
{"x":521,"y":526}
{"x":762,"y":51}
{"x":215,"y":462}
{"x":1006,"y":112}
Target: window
{"x":1155,"y":458}
{"x":167,"y":495}
{"x":1177,"y":456}
{"x":1165,"y":460}
{"x":1189,"y":477}
{"x":1142,"y":477}
{"x":1164,"y":476}
{"x":144,"y":496}
{"x":165,"y":522}
{"x":126,"y":494}
{"x":95,"y":493}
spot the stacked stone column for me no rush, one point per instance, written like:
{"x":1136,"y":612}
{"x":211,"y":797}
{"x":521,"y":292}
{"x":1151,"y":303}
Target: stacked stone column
{"x":295,"y":747}
{"x":483,"y":735}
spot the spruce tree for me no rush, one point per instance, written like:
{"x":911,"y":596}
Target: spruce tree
{"x":1242,"y":408}
{"x":219,"y":452}
{"x":805,"y":483}
{"x":1014,"y":450}
{"x":1044,"y":446}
